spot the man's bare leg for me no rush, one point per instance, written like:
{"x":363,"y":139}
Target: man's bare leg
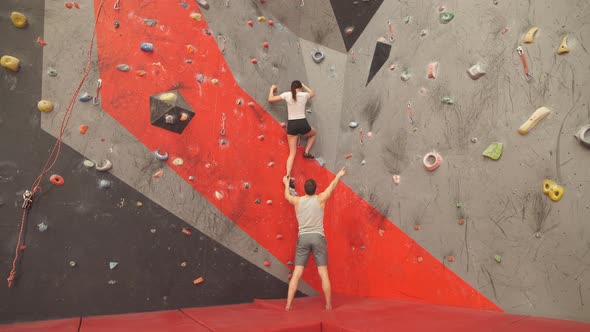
{"x":326,"y":287}
{"x":293,"y":285}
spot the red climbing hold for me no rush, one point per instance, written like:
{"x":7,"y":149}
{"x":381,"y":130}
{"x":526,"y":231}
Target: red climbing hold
{"x":451,"y":258}
{"x":417,"y":227}
{"x":348,"y":156}
{"x":269,"y":202}
{"x":279,"y":236}
{"x":261,"y":137}
{"x":41,"y":41}
{"x":251,"y":23}
{"x":251,"y":104}
{"x":461,"y":222}
{"x":271,"y":22}
{"x":83,"y":129}
{"x":56,"y":180}
{"x":68,"y":5}
{"x":186,"y":231}
{"x":265,"y":45}
{"x":266,"y":263}
{"x":254,"y":61}
{"x":76,"y":5}
{"x":23,"y":248}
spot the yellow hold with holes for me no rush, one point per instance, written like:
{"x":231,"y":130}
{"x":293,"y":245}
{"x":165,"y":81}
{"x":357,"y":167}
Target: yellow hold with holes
{"x":19,"y":20}
{"x":553,"y":190}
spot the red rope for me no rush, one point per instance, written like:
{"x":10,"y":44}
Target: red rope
{"x":55,"y":152}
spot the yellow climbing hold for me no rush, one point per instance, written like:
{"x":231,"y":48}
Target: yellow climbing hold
{"x":19,"y":20}
{"x":45,"y":106}
{"x":537,"y":116}
{"x":553,"y":190}
{"x":10,"y":62}
{"x":547,"y":185}
{"x":196,"y":16}
{"x":563,"y":46}
{"x":178,"y":162}
{"x":530,"y":35}
{"x":168,"y":96}
{"x":261,"y":19}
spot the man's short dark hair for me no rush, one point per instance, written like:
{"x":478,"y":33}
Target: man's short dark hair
{"x":310,"y":186}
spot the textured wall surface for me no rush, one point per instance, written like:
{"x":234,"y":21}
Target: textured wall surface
{"x":516,"y":248}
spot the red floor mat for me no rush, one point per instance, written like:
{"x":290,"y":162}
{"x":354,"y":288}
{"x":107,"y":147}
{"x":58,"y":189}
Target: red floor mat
{"x":58,"y":325}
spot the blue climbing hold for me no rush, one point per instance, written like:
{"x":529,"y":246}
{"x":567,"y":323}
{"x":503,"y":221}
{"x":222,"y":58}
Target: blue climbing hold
{"x":85,"y":98}
{"x":147,"y":47}
{"x":184,"y":5}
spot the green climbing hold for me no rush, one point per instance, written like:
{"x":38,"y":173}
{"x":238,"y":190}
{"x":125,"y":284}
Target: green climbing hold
{"x":446,"y":17}
{"x":448,"y":101}
{"x":498,"y":258}
{"x":494,"y":151}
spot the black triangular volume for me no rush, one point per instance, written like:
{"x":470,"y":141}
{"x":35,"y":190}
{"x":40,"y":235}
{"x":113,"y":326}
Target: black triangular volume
{"x":380,"y":56}
{"x":353,"y":14}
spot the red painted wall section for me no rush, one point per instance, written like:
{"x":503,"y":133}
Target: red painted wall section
{"x":387,"y":267}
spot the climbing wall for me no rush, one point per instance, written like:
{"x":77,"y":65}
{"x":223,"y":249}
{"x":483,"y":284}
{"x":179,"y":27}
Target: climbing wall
{"x":409,"y":95}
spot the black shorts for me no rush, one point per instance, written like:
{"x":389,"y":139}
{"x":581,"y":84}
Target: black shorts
{"x":298,"y":127}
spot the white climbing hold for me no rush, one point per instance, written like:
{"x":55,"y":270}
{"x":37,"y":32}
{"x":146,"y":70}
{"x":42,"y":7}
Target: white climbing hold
{"x":353,"y":124}
{"x":113,"y":265}
{"x":476,"y":71}
{"x":88,"y":163}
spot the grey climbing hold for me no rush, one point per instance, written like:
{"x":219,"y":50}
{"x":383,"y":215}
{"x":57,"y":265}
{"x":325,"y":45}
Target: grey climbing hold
{"x":538,"y":235}
{"x":289,"y":263}
{"x":160,"y":156}
{"x":257,"y":201}
{"x":170,"y":119}
{"x":318,"y":56}
{"x":104,"y":184}
{"x":203,"y":3}
{"x":353,"y":124}
{"x":52,"y":72}
{"x":446,"y":17}
{"x":191,"y":178}
{"x":476,"y":71}
{"x":222,"y":141}
{"x":473,"y":139}
{"x":85,"y":98}
{"x":123,"y":67}
{"x":246,"y":185}
{"x":113,"y":265}
{"x":72,"y":264}
{"x":423,"y":33}
{"x":104,"y":165}
{"x":320,"y":161}
{"x":116,"y":24}
{"x":112,"y":282}
{"x":406,"y":75}
{"x":200,"y":78}
{"x":447,"y":100}
{"x":42,"y":227}
{"x":88,"y":163}
{"x":583,"y":135}
{"x":363,"y":162}
{"x":407,"y":19}
{"x":150,"y":22}
{"x":153,"y":230}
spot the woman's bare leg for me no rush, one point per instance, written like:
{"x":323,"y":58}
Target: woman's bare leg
{"x":310,"y":139}
{"x":292,"y":139}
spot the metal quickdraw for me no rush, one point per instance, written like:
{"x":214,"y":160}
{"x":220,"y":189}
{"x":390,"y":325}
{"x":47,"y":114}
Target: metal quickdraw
{"x":222,"y":131}
{"x":410,"y":112}
{"x":95,"y":100}
{"x":520,"y":51}
{"x":390,"y":31}
{"x":28,"y":199}
{"x":116,"y":6}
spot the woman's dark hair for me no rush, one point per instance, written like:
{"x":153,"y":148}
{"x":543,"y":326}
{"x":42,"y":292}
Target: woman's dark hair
{"x":294,"y":86}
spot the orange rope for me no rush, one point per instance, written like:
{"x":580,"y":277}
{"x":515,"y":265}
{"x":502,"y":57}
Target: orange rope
{"x":55,"y":152}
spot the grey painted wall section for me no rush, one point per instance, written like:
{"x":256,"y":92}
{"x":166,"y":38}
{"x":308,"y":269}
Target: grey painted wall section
{"x":502,"y":200}
{"x":127,"y":154}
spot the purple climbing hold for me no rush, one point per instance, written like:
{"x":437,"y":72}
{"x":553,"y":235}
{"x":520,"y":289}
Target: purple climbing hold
{"x":147,"y":47}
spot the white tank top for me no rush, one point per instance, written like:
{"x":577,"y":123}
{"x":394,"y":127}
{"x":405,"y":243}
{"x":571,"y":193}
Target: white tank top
{"x":310,"y":215}
{"x":295,"y":108}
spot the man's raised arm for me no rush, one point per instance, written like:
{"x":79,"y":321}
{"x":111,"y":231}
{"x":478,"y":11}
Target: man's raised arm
{"x":323,"y":197}
{"x":291,"y":199}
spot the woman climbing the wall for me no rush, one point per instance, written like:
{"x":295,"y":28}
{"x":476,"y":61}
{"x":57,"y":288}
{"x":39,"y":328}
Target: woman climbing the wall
{"x":297,"y":124}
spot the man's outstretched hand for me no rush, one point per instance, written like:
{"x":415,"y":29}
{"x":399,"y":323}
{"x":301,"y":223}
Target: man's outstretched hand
{"x":341,"y":173}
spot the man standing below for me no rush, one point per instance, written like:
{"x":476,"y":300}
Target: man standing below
{"x":310,"y":216}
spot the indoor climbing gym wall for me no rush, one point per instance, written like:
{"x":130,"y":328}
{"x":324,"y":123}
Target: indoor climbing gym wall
{"x":142,"y":163}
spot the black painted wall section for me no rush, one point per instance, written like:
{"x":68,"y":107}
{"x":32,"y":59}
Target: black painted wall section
{"x":354,"y":13}
{"x":93,"y":226}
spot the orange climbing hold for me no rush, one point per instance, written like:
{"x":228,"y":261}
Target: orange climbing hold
{"x":140,"y":73}
{"x":190,"y":49}
{"x":56,"y":180}
{"x":186,"y":232}
{"x":69,"y":5}
{"x":76,"y":4}
{"x":83,"y":129}
{"x":279,"y":236}
{"x":266,"y":263}
{"x":198,"y":280}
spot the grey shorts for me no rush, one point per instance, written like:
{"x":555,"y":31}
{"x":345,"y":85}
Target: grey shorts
{"x":312,"y":242}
